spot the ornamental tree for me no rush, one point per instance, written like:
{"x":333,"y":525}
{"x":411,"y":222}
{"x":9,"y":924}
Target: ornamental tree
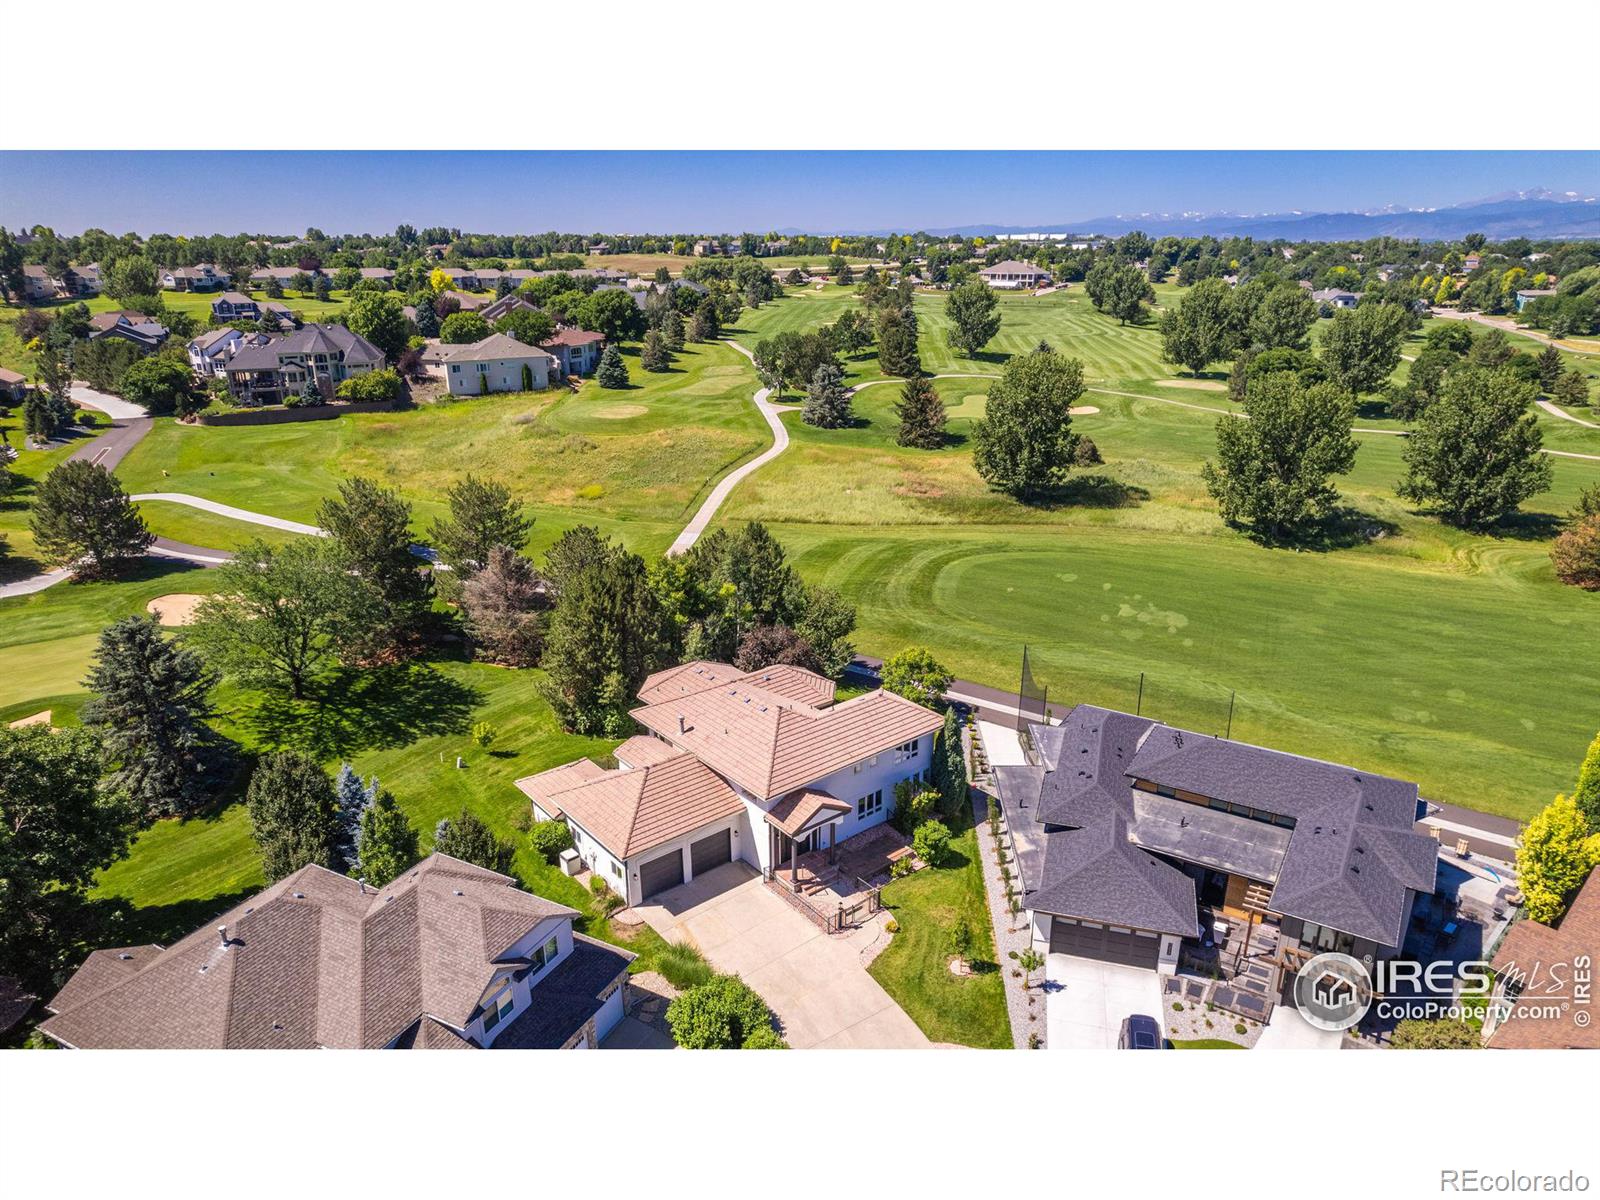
{"x":915,"y":674}
{"x":293,"y":814}
{"x":1555,"y":854}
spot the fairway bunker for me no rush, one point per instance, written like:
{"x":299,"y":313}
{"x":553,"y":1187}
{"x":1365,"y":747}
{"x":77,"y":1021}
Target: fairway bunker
{"x":38,"y":718}
{"x":1197,"y":385}
{"x":175,"y":608}
{"x":1083,"y":410}
{"x":619,"y":412}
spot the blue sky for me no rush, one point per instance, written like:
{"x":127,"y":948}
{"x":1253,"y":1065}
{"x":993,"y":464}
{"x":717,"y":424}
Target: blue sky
{"x":533,"y":191}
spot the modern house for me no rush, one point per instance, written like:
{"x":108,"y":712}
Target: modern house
{"x":235,"y":306}
{"x":448,"y":956}
{"x":754,"y":766}
{"x":210,"y":352}
{"x":1127,"y":830}
{"x":1335,"y":298}
{"x":1541,"y":980}
{"x":576,"y":351}
{"x":268,"y":373}
{"x":131,"y":326}
{"x":499,"y":363}
{"x":202,"y":277}
{"x":1014,"y":274}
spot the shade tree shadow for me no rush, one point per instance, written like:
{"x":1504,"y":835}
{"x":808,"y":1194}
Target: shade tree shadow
{"x":353,"y":711}
{"x":1342,"y":529}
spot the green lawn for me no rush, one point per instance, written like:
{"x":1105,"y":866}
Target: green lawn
{"x":17,"y":552}
{"x":1207,"y":1044}
{"x":914,"y":969}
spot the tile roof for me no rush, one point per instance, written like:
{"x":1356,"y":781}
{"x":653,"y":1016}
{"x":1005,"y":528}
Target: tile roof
{"x":684,"y":679}
{"x":542,"y":787}
{"x":629,"y":811}
{"x":573,"y":337}
{"x":1542,"y":958}
{"x":770,"y":744}
{"x":795,"y":812}
{"x":317,"y":960}
{"x":642,"y":750}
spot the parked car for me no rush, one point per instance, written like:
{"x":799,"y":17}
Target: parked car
{"x":1139,"y":1033}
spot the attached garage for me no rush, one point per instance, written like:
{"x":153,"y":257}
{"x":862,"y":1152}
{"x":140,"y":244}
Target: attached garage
{"x":711,"y":851}
{"x":659,"y":874}
{"x":1098,"y":942}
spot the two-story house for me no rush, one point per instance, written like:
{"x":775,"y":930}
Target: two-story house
{"x":235,"y":306}
{"x":202,"y":277}
{"x":576,"y":351}
{"x":1126,"y":830}
{"x":130,"y":326}
{"x":447,"y":956}
{"x":756,"y":766}
{"x":498,"y":363}
{"x":210,"y":352}
{"x":328,"y":353}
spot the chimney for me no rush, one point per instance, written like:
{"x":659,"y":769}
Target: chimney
{"x":222,"y":932}
{"x":361,"y":883}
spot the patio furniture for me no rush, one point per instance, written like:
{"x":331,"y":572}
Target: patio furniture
{"x":1462,"y":849}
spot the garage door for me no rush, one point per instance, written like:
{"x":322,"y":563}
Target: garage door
{"x":711,"y":852}
{"x":661,"y":873}
{"x":1103,"y":944}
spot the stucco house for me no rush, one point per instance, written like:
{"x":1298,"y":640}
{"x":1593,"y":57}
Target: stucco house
{"x":1336,"y":298}
{"x":755,"y":766}
{"x":1014,"y":274}
{"x":576,"y":351}
{"x":1126,"y":830}
{"x":37,"y":284}
{"x":267,"y":373}
{"x":203,"y":277}
{"x":13,"y":387}
{"x":447,"y":956}
{"x":499,"y":363}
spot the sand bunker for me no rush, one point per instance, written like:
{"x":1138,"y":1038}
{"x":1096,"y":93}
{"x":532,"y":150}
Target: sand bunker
{"x":1083,"y":410}
{"x":175,"y":608}
{"x":620,"y":412}
{"x":38,"y":718}
{"x":1198,"y":385}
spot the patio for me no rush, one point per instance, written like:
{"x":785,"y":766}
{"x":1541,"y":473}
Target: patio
{"x":859,"y":865}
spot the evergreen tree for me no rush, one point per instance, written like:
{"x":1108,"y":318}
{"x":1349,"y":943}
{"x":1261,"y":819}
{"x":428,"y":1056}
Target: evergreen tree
{"x":427,"y":318}
{"x":827,"y":403}
{"x":503,"y":603}
{"x":482,"y":516}
{"x":293,"y":814}
{"x":1474,"y":454}
{"x":81,"y":517}
{"x":352,"y":797}
{"x":897,"y":344}
{"x":311,"y":395}
{"x":1550,"y":368}
{"x":388,"y":843}
{"x":1572,"y":389}
{"x":1587,"y":794}
{"x":1025,"y":444}
{"x":672,"y":329}
{"x":921,"y":414}
{"x":370,"y":527}
{"x":950,"y":765}
{"x":612,"y":372}
{"x":653,"y":355}
{"x":151,"y":701}
{"x":706,"y":325}
{"x":469,"y":839}
{"x":1576,"y":555}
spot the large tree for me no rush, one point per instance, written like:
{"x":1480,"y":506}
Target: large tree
{"x":279,"y":614}
{"x":827,"y":403}
{"x":151,"y":701}
{"x":1199,"y":331}
{"x":612,"y":373}
{"x":654,"y":356}
{"x":482,"y":515}
{"x":1273,"y":470}
{"x":921,"y":414}
{"x":1119,"y":290}
{"x":380,"y":318}
{"x":131,"y":277}
{"x":528,"y":325}
{"x":466,"y":837}
{"x":388,"y":843}
{"x":81,"y":517}
{"x":915,"y":674}
{"x":1283,"y":319}
{"x":294,"y":814}
{"x":613,"y":313}
{"x":1474,"y":454}
{"x":897,"y":343}
{"x":974,"y":316}
{"x":1024,"y":443}
{"x":791,"y":359}
{"x":162,"y":384}
{"x":1361,"y":348}
{"x":504,"y":605}
{"x":370,"y":525}
{"x":59,"y":827}
{"x":463,"y":328}
{"x":1555,"y":854}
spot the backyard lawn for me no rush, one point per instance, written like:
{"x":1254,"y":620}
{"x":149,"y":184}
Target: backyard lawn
{"x":914,"y":969}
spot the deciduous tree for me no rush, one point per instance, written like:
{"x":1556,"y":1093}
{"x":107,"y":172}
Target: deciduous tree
{"x":915,"y":674}
{"x":463,"y":328}
{"x":1362,"y":346}
{"x":1200,"y":330}
{"x":161,"y":384}
{"x":380,"y":318}
{"x":1025,"y":444}
{"x":466,"y":837}
{"x":974,"y":316}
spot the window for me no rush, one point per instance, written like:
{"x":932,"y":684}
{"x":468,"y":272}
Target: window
{"x":616,"y":869}
{"x":1163,"y":790}
{"x":551,"y":949}
{"x":498,"y":1006}
{"x":483,"y":368}
{"x":455,"y":368}
{"x":870,"y":804}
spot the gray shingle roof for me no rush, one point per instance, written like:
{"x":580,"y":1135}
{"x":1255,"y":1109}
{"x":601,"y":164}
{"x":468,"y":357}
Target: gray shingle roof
{"x":566,"y":998}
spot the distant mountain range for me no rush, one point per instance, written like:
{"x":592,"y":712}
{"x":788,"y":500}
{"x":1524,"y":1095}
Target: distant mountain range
{"x":1533,"y":213}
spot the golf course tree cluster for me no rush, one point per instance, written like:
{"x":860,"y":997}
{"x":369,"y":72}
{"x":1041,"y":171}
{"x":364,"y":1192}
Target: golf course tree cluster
{"x":732,"y":596}
{"x":1273,"y":469}
{"x":1119,"y":289}
{"x":974,"y":316}
{"x":788,"y":360}
{"x":1024,"y":445}
{"x":1215,"y":322}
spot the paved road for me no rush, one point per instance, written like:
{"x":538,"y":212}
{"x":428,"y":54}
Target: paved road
{"x":773,"y":415}
{"x":112,"y":406}
{"x":112,"y":446}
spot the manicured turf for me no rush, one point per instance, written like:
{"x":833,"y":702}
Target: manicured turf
{"x":968,"y":1010}
{"x":17,"y":556}
{"x":1207,"y":1044}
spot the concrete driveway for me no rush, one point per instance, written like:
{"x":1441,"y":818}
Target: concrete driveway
{"x":1086,"y":1000}
{"x":1288,"y":1030}
{"x":813,"y":982}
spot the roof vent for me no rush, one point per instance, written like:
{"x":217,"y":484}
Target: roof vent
{"x":277,"y":1026}
{"x":1354,"y":870}
{"x":458,"y":891}
{"x":125,"y":956}
{"x":222,"y":932}
{"x":299,"y":895}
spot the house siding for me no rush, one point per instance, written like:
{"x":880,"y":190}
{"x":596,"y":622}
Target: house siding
{"x":524,"y":990}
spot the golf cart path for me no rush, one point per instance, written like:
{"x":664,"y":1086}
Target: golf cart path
{"x":228,"y":510}
{"x":1557,"y":411}
{"x":1510,"y":326}
{"x":1221,"y":412}
{"x":114,"y":407}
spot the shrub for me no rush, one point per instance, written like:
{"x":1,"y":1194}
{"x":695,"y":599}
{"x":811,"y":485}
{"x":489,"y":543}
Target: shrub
{"x":764,"y":1038}
{"x":901,"y":867}
{"x":913,"y":804}
{"x":931,"y":842}
{"x":371,"y":386}
{"x":1239,"y":1028}
{"x":1177,"y":1008}
{"x":549,"y":839}
{"x":1435,"y":1035}
{"x":720,"y":1014}
{"x":483,"y":734}
{"x":684,"y":966}
{"x":891,"y":926}
{"x":961,"y":939}
{"x":1086,"y":453}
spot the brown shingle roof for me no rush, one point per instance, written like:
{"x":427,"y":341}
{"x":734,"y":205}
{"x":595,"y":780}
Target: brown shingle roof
{"x":770,"y":745}
{"x":1543,"y":958}
{"x":316,"y":960}
{"x":629,"y":811}
{"x":495,"y":346}
{"x":573,"y":337}
{"x":101,"y":970}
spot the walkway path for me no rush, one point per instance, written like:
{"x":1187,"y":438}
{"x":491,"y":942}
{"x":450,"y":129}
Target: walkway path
{"x":237,"y":514}
{"x":1510,"y":326}
{"x":773,"y":415}
{"x":1557,"y":411}
{"x":953,"y":375}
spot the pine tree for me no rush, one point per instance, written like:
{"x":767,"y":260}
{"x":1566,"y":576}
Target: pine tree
{"x":921,"y":414}
{"x":827,"y":403}
{"x":707,"y":324}
{"x":483,"y":514}
{"x":353,"y":798}
{"x":1587,"y":794}
{"x":897,"y":344}
{"x":150,"y":705}
{"x":1550,"y":368}
{"x":427,"y":319}
{"x":672,"y":329}
{"x":612,"y":372}
{"x":293,"y":814}
{"x":653,"y":355}
{"x":1572,"y":389}
{"x":469,"y":839}
{"x":82,"y":517}
{"x":388,"y":844}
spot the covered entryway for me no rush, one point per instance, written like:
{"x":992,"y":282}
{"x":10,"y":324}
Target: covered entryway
{"x":1103,"y":944}
{"x":798,"y":823}
{"x":711,"y":851}
{"x":659,"y":874}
